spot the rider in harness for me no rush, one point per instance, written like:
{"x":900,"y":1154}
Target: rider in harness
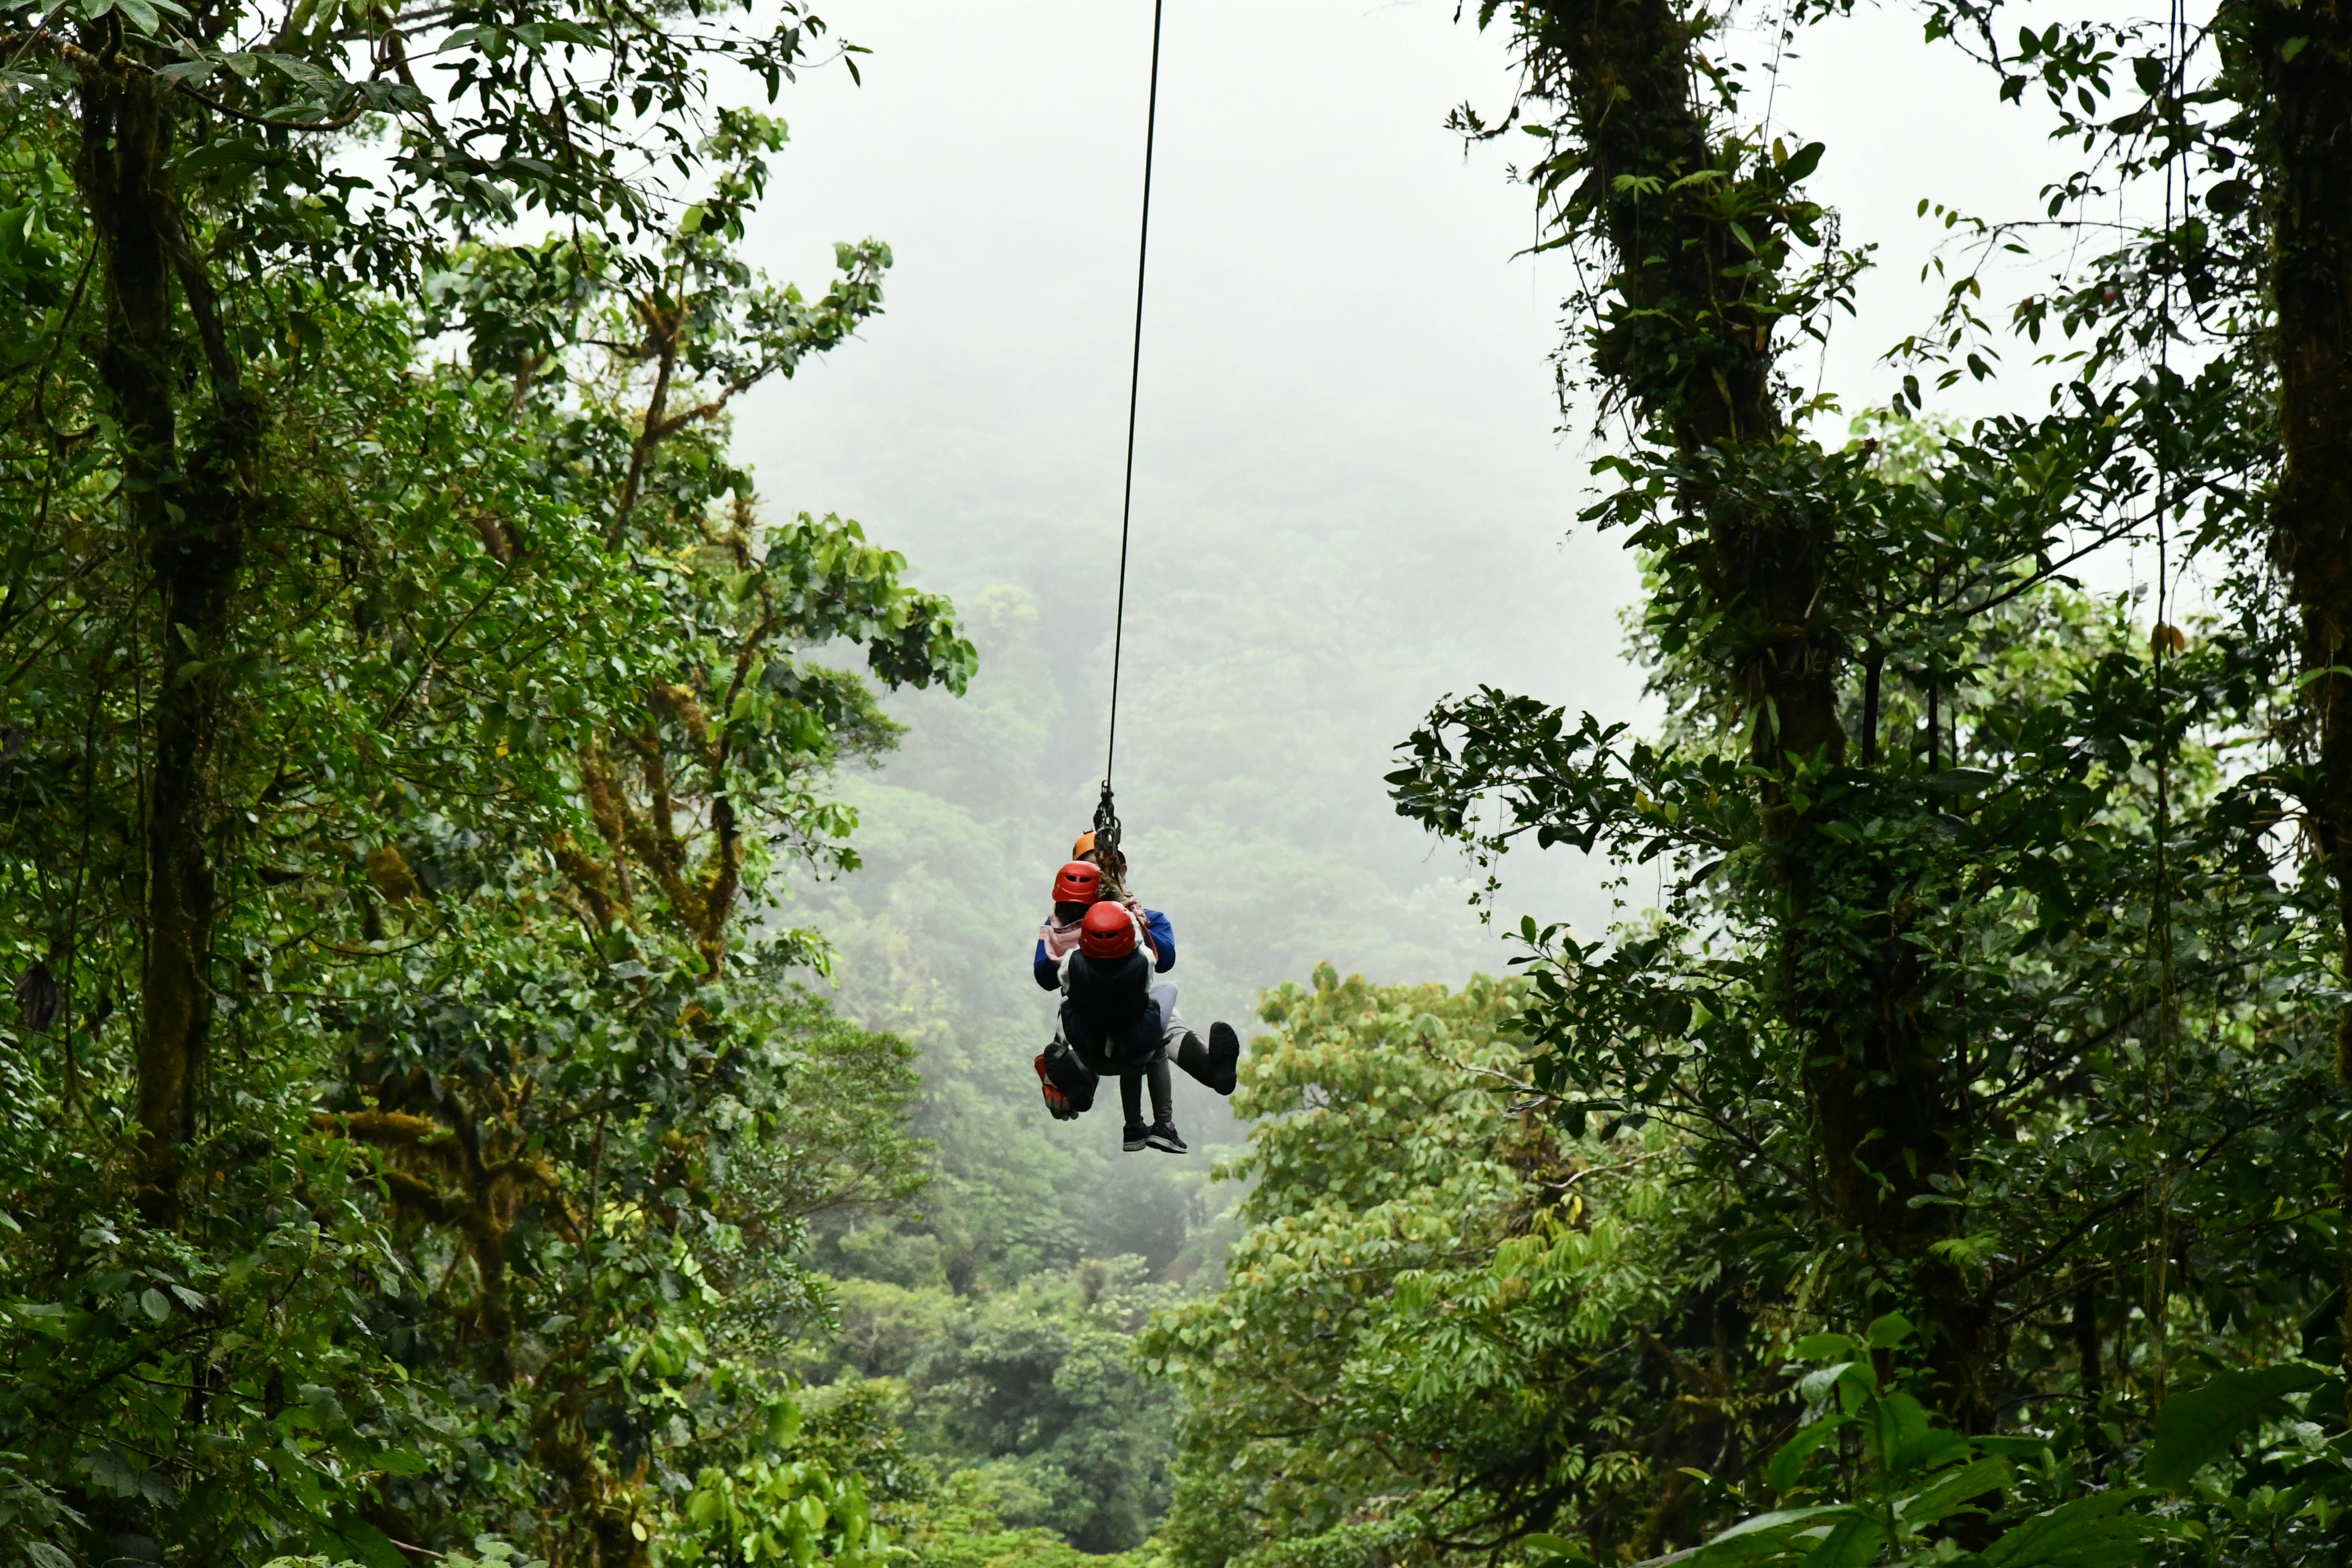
{"x":1101,"y":950}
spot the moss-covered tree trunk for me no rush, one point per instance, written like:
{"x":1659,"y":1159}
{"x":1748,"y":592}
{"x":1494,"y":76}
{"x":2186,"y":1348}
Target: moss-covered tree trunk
{"x":186,"y":490}
{"x":2305,"y":52}
{"x":1692,"y":349}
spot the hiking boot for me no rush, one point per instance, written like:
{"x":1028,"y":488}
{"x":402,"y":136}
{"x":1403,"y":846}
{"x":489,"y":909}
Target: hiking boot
{"x":1162,"y":1135}
{"x":1225,"y":1058}
{"x":1136,"y":1136}
{"x":1057,"y":1104}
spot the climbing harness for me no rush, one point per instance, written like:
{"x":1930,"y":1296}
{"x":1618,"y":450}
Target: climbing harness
{"x":1105,"y":816}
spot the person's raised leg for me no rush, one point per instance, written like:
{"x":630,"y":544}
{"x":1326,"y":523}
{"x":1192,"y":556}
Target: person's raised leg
{"x":1215,"y":1063}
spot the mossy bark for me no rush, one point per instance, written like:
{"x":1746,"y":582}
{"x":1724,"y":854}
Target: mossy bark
{"x":185,"y":484}
{"x":2301,"y":57}
{"x":1691,"y":350}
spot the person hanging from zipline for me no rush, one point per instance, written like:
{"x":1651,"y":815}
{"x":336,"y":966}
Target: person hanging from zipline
{"x":1102,"y":950}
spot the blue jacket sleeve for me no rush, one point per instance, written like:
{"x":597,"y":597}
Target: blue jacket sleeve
{"x":1049,"y":973}
{"x":1164,"y":940}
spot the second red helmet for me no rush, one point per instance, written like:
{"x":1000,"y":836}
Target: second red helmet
{"x":1078,"y":882}
{"x":1108,"y":932}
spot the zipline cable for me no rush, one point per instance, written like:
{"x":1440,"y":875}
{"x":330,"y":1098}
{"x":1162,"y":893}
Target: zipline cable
{"x":1106,"y":818}
{"x":2161,"y":647}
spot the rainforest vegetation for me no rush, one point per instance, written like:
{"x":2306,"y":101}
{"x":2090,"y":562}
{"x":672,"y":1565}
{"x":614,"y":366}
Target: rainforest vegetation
{"x":497,"y":1075}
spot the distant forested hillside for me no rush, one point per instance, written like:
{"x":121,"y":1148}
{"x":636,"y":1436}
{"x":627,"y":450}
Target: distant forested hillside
{"x":959,"y":831}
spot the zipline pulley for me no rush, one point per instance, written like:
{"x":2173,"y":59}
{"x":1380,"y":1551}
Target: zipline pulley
{"x":1107,"y":853}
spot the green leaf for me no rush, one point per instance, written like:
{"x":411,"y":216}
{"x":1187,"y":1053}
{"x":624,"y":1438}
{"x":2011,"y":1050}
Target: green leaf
{"x":364,"y":1544}
{"x":1890,"y":1330}
{"x":1910,"y":1442}
{"x":1815,"y":1385}
{"x":1766,"y":1534}
{"x":1852,"y":1543}
{"x":1948,"y":1492}
{"x":2198,"y":1426}
{"x":1790,"y":1462}
{"x":2089,"y":1532}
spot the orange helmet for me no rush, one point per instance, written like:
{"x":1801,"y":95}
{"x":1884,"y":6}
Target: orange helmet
{"x":1079,"y":883}
{"x":1083,"y":848}
{"x":1108,"y":931}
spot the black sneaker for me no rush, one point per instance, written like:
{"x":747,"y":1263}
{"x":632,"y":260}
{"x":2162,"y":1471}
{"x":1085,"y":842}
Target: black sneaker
{"x":1161,"y":1136}
{"x":1225,"y":1058}
{"x":1137,"y":1137}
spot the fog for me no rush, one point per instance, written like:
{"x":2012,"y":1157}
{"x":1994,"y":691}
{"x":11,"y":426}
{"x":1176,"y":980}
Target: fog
{"x":1353,"y":488}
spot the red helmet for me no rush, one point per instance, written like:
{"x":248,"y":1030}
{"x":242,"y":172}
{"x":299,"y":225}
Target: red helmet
{"x":1079,"y":883}
{"x":1108,"y":931}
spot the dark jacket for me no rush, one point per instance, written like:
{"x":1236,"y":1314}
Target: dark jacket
{"x":1108,"y":1016}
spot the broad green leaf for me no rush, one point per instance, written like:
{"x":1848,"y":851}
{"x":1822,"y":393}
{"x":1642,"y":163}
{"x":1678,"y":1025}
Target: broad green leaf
{"x":2094,"y":1532}
{"x":1815,"y":1385}
{"x":1790,"y":1462}
{"x":1767,"y":1535}
{"x":1851,"y":1543}
{"x":1948,"y":1492}
{"x":1889,"y":1331}
{"x":2199,"y":1425}
{"x":364,"y":1544}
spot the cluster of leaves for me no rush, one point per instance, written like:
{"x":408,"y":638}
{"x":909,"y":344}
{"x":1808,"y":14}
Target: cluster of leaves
{"x":1029,"y":1398}
{"x":1451,"y":1333}
{"x":1444,"y":1325}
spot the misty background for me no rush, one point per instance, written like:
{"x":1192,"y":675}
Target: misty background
{"x":1355,"y":491}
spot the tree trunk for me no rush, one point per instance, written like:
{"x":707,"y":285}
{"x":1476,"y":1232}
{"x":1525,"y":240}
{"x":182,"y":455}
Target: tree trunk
{"x":186,"y":502}
{"x":1872,"y":1080}
{"x":2307,"y":132}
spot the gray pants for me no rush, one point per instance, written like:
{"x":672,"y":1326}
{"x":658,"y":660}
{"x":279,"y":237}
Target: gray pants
{"x":1163,"y":1088}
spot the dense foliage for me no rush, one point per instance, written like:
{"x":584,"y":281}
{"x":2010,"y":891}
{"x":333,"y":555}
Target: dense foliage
{"x":1030,"y":1393}
{"x":1433,"y":1289}
{"x":1993,"y":987}
{"x":409,"y":1122}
